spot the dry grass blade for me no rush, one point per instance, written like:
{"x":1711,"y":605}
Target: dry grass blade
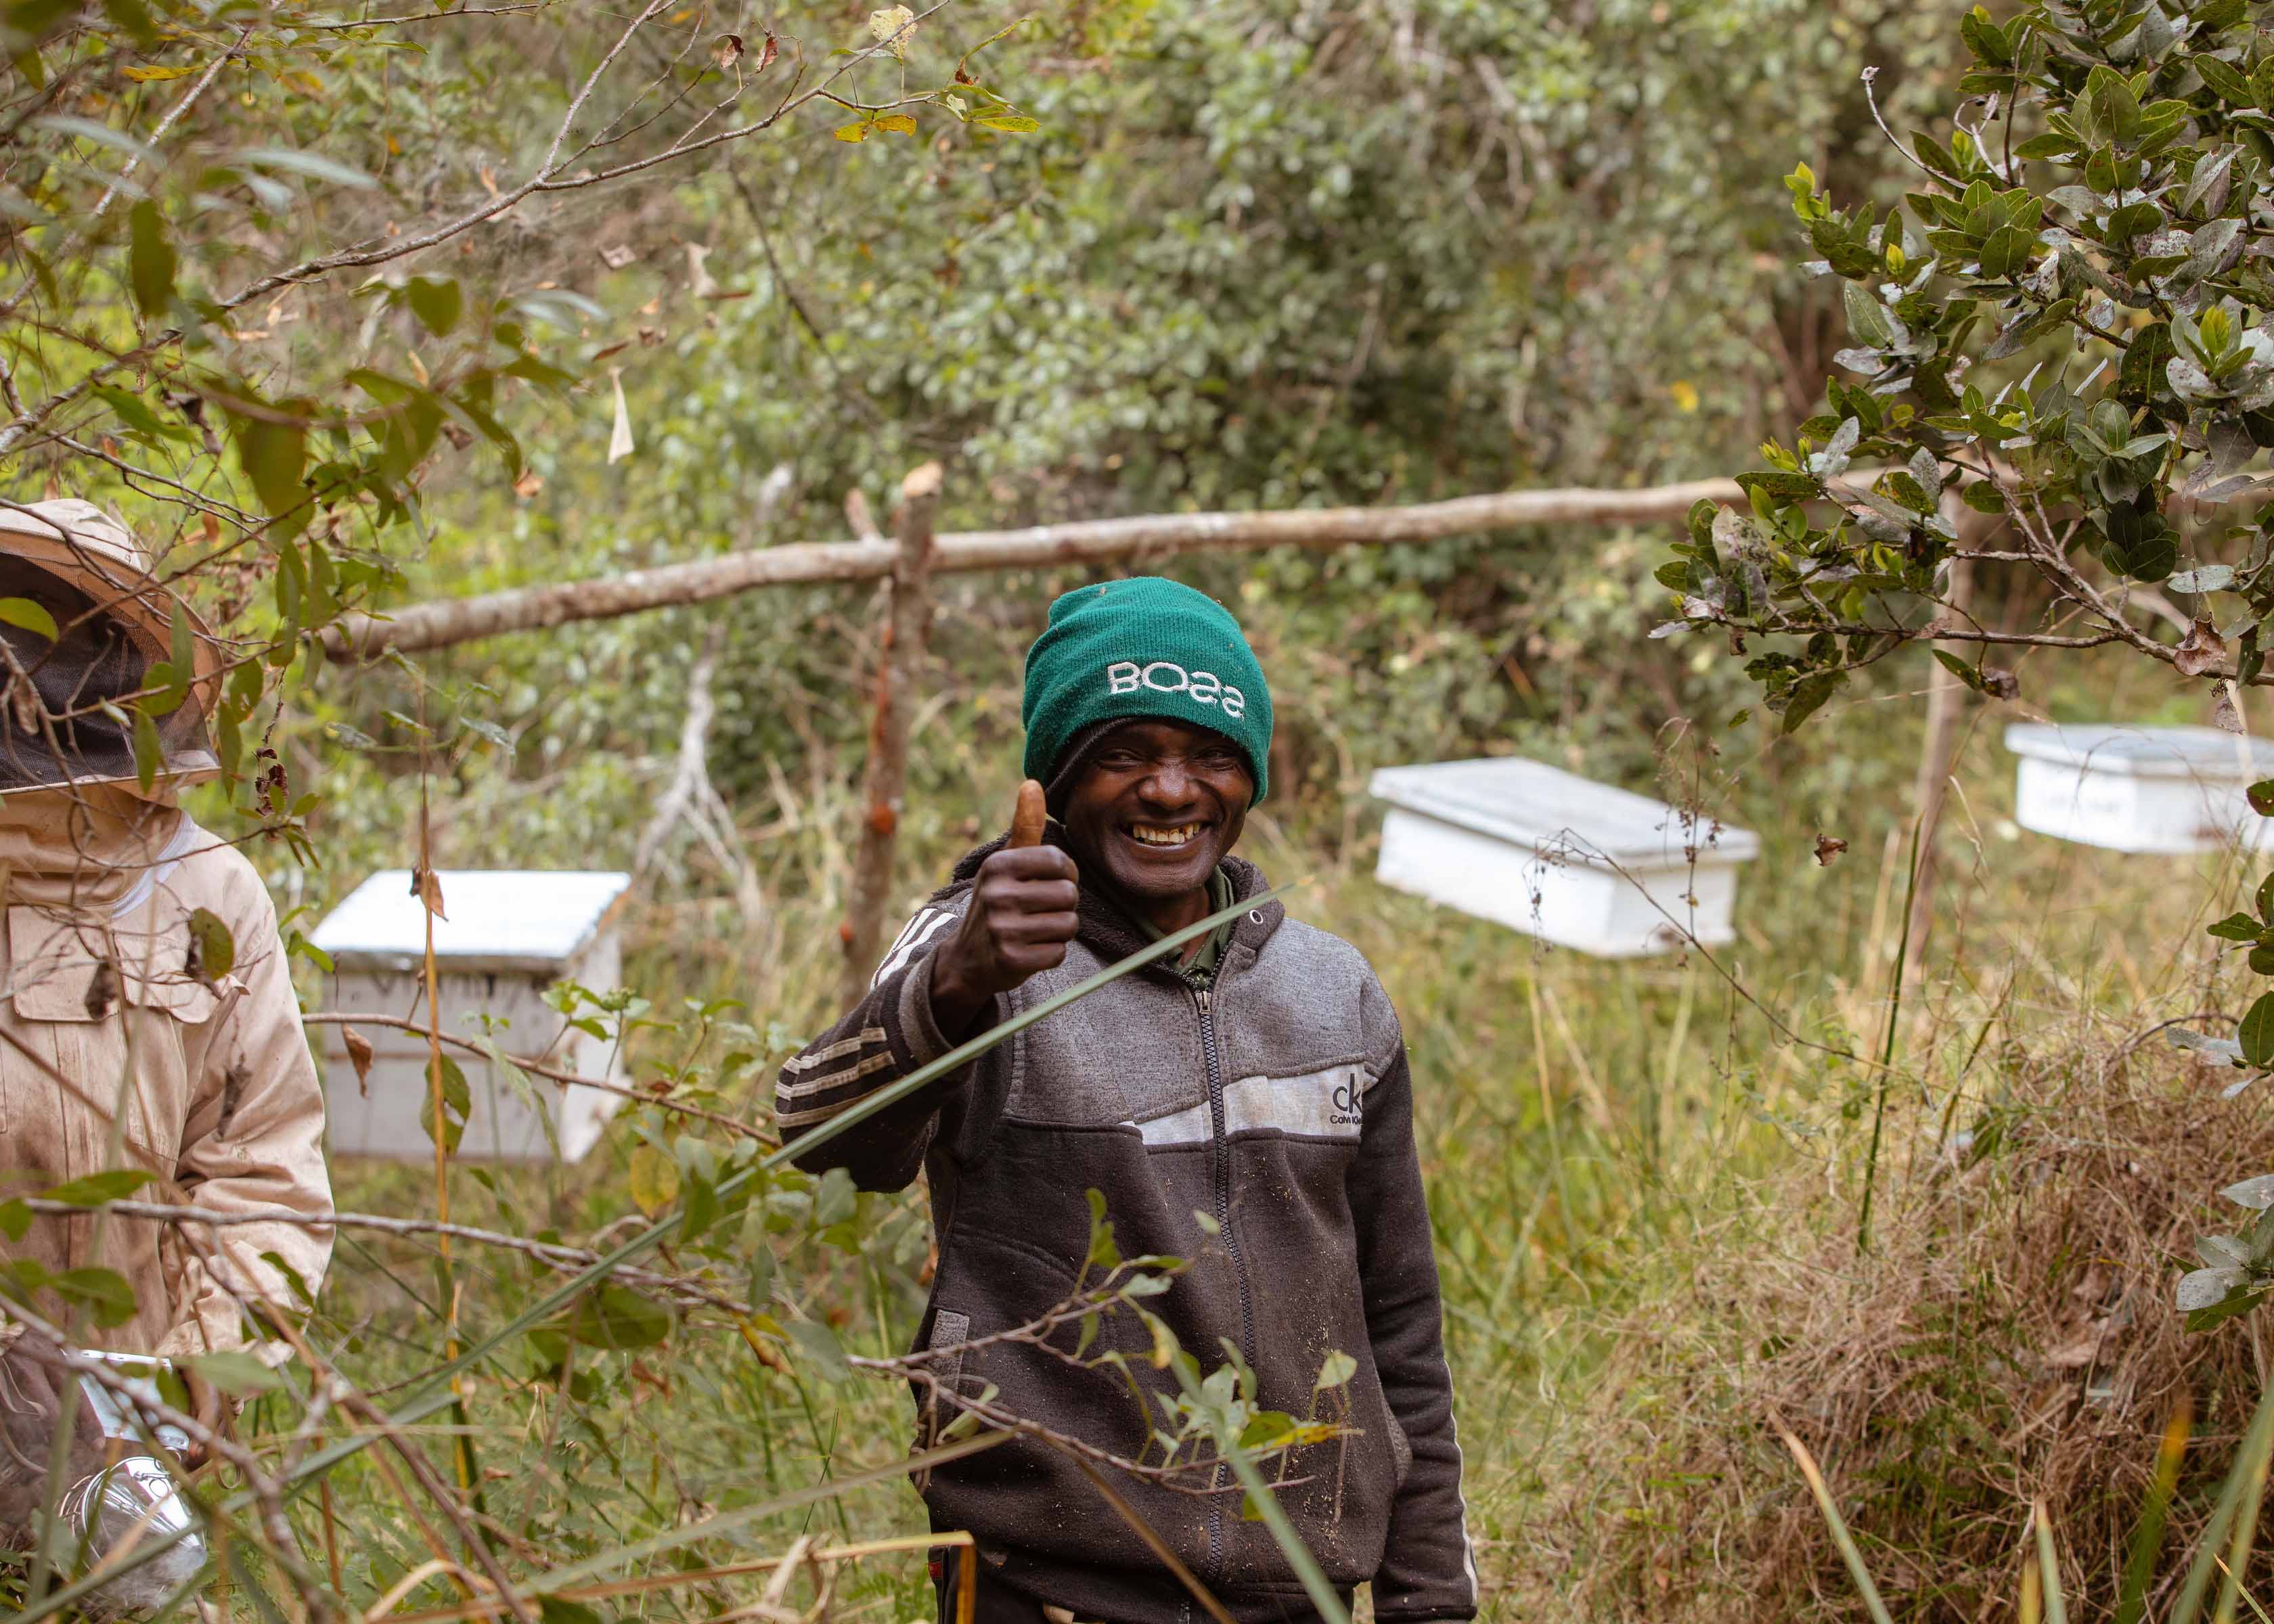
{"x":1841,"y":1537}
{"x":2048,"y":1565}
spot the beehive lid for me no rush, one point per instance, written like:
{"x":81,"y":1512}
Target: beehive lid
{"x":499,"y":918}
{"x":1544,"y":808}
{"x":2131,"y":752}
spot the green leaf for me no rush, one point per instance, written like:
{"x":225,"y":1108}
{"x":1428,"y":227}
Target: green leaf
{"x":103,"y":1292}
{"x":556,"y":1610}
{"x":821,"y":1349}
{"x":436,"y":303}
{"x":2224,"y":82}
{"x":235,"y":1372}
{"x":1779,"y":485}
{"x":151,"y":260}
{"x":313,"y":165}
{"x":1967,"y":674}
{"x":2006,"y":253}
{"x":1867,"y":318}
{"x":2114,"y":108}
{"x":1985,"y":39}
{"x":215,"y":944}
{"x":96,"y":1188}
{"x":1908,"y":491}
{"x":273,"y":455}
{"x":701,"y":1210}
{"x":1338,"y":1369}
{"x":149,"y":753}
{"x":617,"y":1318}
{"x":31,"y":616}
{"x":15,"y":1220}
{"x":2208,"y":1295}
{"x":2241,"y":927}
{"x":1808,"y":695}
{"x":457,"y":1102}
{"x":2256,"y":1032}
{"x":834,"y":1199}
{"x":1267,"y":1428}
{"x":1010,"y":124}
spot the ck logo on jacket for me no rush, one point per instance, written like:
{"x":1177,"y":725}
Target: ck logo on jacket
{"x":1350,"y":1100}
{"x":1167,"y":677}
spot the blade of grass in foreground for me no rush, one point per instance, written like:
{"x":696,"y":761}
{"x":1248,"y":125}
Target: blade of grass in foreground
{"x":434,"y":1393}
{"x":1841,"y":1537}
{"x":2246,"y":1531}
{"x":2148,"y":1536}
{"x":2049,"y":1565}
{"x":2249,"y":1469}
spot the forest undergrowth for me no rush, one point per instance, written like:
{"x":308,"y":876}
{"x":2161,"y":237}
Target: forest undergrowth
{"x":1647,"y":1179}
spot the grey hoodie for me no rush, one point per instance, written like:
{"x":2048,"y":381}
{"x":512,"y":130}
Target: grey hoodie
{"x":1276,"y":1100}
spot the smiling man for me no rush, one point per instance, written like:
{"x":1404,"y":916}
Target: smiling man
{"x":1244,"y":1104}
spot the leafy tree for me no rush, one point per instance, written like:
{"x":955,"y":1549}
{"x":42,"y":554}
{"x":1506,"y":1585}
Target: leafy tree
{"x":2061,"y":372}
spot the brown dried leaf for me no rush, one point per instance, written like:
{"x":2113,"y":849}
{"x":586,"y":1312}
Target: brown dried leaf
{"x":426,"y":885}
{"x":529,"y":484}
{"x":1827,"y":847}
{"x":2085,"y":1350}
{"x":359,"y":1056}
{"x":726,"y":50}
{"x":2199,"y":650}
{"x":2224,"y":714}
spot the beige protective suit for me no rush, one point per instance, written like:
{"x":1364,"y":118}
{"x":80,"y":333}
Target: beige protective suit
{"x":125,"y":1041}
{"x":109,"y":1006}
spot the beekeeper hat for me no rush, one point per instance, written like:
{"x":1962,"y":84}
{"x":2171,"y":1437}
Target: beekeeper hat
{"x":96,"y":560}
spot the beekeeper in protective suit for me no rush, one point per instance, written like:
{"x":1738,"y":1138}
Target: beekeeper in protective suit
{"x":122,"y":1044}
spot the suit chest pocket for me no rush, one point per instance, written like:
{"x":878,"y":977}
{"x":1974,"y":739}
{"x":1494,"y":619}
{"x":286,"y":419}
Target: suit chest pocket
{"x":91,"y":1034}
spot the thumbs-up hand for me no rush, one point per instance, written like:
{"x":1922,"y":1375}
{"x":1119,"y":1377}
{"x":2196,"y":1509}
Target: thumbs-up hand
{"x":1023,"y":911}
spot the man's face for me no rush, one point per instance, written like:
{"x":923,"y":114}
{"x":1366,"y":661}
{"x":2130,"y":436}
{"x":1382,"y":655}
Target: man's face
{"x":1156,"y":805}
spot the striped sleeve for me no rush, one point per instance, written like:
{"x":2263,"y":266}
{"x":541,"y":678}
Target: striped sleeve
{"x":891,"y":1033}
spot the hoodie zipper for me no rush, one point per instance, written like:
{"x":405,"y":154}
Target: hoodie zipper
{"x":1220,"y":1157}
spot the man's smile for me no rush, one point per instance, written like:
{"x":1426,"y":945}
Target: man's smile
{"x":1166,"y":835}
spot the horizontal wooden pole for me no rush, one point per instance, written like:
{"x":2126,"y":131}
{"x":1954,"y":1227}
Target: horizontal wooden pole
{"x":418,"y":628}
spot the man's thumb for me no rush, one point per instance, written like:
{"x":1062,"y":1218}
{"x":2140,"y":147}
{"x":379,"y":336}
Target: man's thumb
{"x":1027,"y":822}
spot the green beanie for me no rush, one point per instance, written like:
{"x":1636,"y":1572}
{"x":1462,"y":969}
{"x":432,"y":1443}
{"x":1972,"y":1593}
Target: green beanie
{"x":1144,"y":647}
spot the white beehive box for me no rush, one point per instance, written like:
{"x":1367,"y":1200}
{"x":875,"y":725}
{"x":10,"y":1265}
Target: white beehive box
{"x":2167,"y":790}
{"x":1551,"y":854}
{"x":510,"y":934}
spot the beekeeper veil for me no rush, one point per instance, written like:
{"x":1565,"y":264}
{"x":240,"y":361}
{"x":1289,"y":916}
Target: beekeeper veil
{"x":68,"y":704}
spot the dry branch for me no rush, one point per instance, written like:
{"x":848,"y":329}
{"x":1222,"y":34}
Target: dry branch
{"x":418,"y":628}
